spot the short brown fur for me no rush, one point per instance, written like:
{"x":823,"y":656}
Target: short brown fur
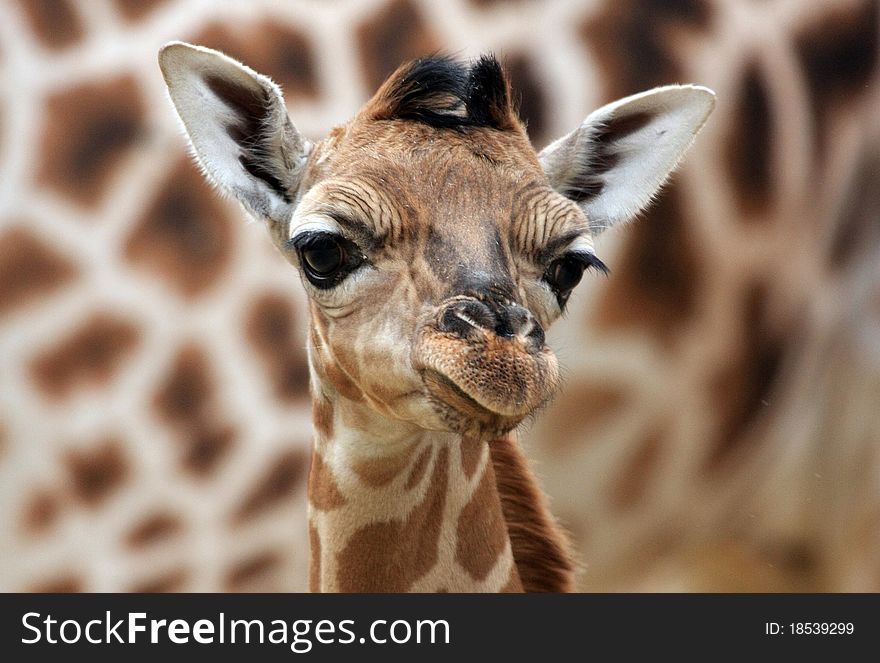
{"x":541,"y":549}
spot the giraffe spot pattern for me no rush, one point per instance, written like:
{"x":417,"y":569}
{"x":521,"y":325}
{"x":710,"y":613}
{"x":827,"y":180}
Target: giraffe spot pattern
{"x":579,"y":410}
{"x":415,"y":552}
{"x":742,"y":387}
{"x":137,"y":10}
{"x":153,"y":529}
{"x":471,"y":450}
{"x":205,"y":446}
{"x":96,"y":472}
{"x":334,"y":365}
{"x":839,"y":56}
{"x":61,"y":584}
{"x":56,"y":23}
{"x":732,"y":566}
{"x":314,"y":559}
{"x":187,"y":392}
{"x":394,"y":34}
{"x":655,"y":285}
{"x":278,"y":484}
{"x":29,"y":269}
{"x":283,"y":54}
{"x":41,"y":512}
{"x":87,"y":133}
{"x":168,"y":582}
{"x":251,"y":570}
{"x":377,"y":472}
{"x":322,"y":417}
{"x":528,"y":94}
{"x":827,"y":85}
{"x":796,"y":556}
{"x":324,"y":494}
{"x":186,"y":401}
{"x":644,"y":26}
{"x":344,"y":374}
{"x":418,"y":469}
{"x":185,"y":236}
{"x":857,"y":227}
{"x":634,"y":482}
{"x":274,"y":332}
{"x":481,"y":531}
{"x":748,"y":146}
{"x":90,"y":356}
{"x":327,"y":371}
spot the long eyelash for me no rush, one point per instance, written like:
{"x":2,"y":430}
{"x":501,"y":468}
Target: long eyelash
{"x":590,"y":261}
{"x":303,"y":239}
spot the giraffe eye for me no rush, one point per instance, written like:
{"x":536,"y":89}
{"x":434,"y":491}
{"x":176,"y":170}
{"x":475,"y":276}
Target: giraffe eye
{"x":326,"y":258}
{"x":323,"y":256}
{"x":565,"y":273}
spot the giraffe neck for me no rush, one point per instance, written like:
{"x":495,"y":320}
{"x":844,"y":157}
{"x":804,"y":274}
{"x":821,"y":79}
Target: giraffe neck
{"x":419,"y":511}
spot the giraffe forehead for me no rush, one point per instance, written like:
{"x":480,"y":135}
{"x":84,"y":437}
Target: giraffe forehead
{"x":469,"y":203}
{"x":428,"y":173}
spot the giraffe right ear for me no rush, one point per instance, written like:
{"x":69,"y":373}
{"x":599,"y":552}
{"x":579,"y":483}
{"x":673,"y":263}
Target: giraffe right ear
{"x":615,"y":162}
{"x":239,"y":129}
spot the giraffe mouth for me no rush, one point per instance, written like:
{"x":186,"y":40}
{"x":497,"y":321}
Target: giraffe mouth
{"x":462,"y":412}
{"x":489,"y":383}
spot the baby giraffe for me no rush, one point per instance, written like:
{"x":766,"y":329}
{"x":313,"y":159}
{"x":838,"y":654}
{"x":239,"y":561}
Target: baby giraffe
{"x":436,"y":248}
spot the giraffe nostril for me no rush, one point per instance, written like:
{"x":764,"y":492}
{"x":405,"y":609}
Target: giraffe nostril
{"x":514,"y":320}
{"x":536,"y":335}
{"x":465,"y":316}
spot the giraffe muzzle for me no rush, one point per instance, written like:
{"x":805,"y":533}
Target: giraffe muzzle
{"x":485,"y":363}
{"x":469,"y":316}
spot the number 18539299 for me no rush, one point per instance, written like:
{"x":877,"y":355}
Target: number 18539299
{"x":809,"y":628}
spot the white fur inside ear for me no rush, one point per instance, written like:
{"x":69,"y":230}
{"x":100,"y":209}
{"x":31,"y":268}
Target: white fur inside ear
{"x":207,"y":118}
{"x":617,"y":160}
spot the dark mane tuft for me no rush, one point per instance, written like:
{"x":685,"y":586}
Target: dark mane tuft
{"x":442,"y":92}
{"x":488,"y":94}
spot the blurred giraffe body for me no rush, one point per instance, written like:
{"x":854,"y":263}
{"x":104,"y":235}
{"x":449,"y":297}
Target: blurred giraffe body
{"x":716,"y":428}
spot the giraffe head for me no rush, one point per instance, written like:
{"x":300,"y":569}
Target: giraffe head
{"x":435,"y":245}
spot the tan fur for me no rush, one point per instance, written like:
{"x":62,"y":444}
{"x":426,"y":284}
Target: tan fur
{"x":391,"y":556}
{"x":390,"y":529}
{"x":323,"y":492}
{"x":481,"y":539}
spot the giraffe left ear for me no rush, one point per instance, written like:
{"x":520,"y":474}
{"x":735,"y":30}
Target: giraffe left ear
{"x":237,"y":123}
{"x":617,"y":160}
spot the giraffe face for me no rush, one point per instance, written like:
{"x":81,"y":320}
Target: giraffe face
{"x":433,"y":267}
{"x":435,"y":246}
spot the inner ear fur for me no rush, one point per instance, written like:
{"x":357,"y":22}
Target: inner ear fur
{"x":616,"y":161}
{"x":239,"y":129}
